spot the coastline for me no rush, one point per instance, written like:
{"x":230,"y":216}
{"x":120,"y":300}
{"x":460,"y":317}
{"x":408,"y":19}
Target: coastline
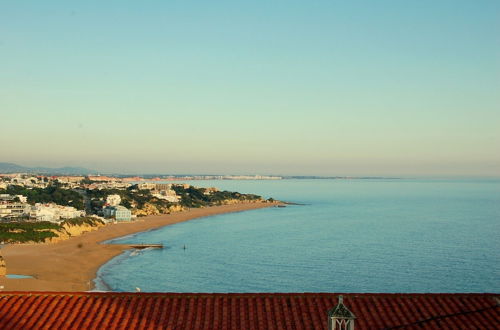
{"x":71,"y":265}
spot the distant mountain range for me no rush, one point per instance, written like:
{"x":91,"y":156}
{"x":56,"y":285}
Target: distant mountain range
{"x":14,"y":168}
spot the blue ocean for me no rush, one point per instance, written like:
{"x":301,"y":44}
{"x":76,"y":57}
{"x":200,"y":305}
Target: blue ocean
{"x":358,"y":235}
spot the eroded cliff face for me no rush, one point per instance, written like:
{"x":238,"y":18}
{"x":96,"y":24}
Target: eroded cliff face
{"x":3,"y":267}
{"x":147,"y":209}
{"x":77,"y":230}
{"x":150,"y":209}
{"x":175,"y":208}
{"x":68,"y":231}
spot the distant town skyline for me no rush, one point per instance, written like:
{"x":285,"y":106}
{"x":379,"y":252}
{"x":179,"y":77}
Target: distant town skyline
{"x":328,"y":88}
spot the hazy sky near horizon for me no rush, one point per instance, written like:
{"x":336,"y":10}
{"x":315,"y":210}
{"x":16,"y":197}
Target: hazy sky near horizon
{"x":269,"y":87}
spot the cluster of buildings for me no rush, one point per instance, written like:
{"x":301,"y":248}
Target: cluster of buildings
{"x":70,"y":182}
{"x":101,"y":182}
{"x":165,"y":191}
{"x":28,"y":181}
{"x":162,"y":190}
{"x":219,"y":177}
{"x":53,"y":212}
{"x":13,"y":206}
{"x":210,"y":191}
{"x":105,"y":182}
{"x":250,"y":177}
{"x":16,"y":207}
{"x":91,"y":182}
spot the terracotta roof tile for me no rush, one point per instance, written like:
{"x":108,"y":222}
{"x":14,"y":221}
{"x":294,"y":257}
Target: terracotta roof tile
{"x":277,"y":311}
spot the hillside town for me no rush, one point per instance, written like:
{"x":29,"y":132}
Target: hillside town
{"x":27,"y":197}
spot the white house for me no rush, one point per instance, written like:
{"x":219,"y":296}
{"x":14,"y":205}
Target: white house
{"x":54,"y":213}
{"x":113,"y":200}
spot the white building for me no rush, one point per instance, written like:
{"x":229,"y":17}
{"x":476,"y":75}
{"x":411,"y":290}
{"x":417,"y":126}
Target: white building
{"x":54,"y":213}
{"x":146,"y":186}
{"x":168,"y":195}
{"x":120,"y":213}
{"x":9,"y":209}
{"x":113,"y":200}
{"x":108,"y":185}
{"x":209,"y":191}
{"x":25,"y":181}
{"x":7,"y":197}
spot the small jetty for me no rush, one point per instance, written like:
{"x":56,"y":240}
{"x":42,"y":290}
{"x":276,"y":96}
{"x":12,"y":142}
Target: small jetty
{"x":146,"y":246}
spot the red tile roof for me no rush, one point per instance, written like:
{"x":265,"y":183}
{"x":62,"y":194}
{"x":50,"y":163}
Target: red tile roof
{"x":24,"y":310}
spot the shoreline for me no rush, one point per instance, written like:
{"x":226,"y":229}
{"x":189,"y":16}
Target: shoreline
{"x":71,"y":265}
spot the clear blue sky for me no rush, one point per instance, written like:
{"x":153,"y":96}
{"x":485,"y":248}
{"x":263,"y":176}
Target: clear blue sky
{"x":284,"y":87}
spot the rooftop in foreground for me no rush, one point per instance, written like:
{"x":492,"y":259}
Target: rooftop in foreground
{"x":35,"y":310}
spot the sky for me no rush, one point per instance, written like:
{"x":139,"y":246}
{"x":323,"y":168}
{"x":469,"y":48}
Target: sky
{"x":252,"y":87}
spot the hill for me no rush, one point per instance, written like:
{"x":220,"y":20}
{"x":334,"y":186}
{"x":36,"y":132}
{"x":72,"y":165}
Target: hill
{"x":14,"y":168}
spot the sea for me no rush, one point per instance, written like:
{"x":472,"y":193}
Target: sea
{"x":344,"y":235}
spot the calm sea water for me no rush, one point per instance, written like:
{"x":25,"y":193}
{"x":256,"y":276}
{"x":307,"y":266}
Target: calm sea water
{"x":351,"y":236}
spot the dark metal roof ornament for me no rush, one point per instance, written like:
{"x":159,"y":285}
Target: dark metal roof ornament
{"x":340,"y":317}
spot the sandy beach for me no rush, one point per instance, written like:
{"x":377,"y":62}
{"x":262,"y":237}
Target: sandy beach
{"x":71,"y":265}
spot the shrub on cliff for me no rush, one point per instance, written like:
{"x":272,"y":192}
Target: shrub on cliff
{"x":195,"y":197}
{"x":83,"y":221}
{"x":23,"y":232}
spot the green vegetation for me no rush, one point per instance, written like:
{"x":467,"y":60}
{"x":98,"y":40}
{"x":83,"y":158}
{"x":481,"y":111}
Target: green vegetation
{"x":52,"y":194}
{"x":141,"y":202}
{"x":131,"y":198}
{"x":82,"y":221}
{"x":190,"y":197}
{"x":22,"y":232}
{"x":195,"y":197}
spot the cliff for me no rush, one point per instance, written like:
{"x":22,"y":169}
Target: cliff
{"x":150,"y":209}
{"x":68,"y":230}
{"x":147,"y":209}
{"x":24,"y":232}
{"x":175,"y":208}
{"x":3,"y":268}
{"x":239,"y":201}
{"x":77,"y":230}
